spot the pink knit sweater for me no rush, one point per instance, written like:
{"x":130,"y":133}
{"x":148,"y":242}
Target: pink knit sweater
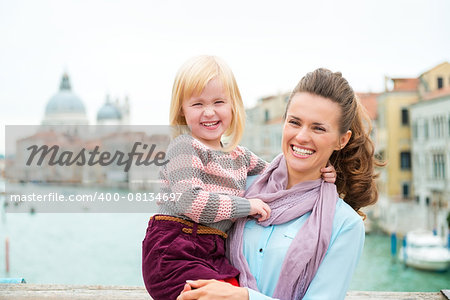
{"x":212,"y":182}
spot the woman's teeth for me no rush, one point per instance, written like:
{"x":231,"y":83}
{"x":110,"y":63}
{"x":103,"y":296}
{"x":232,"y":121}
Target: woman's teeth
{"x":302,"y":151}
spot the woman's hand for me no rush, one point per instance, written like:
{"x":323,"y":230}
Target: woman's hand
{"x":212,"y":290}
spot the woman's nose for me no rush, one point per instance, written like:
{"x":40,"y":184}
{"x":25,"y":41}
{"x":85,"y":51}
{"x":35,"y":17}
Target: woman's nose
{"x":303,"y":135}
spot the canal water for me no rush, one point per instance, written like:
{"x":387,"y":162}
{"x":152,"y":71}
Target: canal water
{"x":106,"y":249}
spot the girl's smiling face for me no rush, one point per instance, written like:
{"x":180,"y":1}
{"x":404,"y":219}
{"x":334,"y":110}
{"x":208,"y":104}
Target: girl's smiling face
{"x":209,"y":114}
{"x":310,"y":135}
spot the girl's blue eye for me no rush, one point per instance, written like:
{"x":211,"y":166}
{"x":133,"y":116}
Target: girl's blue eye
{"x":196,"y":104}
{"x":220,"y":102}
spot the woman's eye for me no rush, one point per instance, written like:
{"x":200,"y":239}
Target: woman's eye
{"x":319,"y":128}
{"x":294,"y":122}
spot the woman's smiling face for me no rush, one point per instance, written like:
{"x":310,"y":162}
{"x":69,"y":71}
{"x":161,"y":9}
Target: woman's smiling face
{"x":310,"y":135}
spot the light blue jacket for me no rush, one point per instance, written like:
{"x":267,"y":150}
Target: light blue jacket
{"x":265,"y":248}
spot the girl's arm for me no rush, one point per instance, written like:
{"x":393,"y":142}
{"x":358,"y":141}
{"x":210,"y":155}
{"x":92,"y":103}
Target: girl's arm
{"x":185,"y":173}
{"x":256,"y":165}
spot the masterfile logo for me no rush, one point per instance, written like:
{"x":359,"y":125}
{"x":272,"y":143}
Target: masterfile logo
{"x":82,"y":168}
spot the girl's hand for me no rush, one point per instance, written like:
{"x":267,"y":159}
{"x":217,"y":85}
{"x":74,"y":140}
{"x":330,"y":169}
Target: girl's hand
{"x":212,"y":290}
{"x":329,"y":174}
{"x":259,"y":208}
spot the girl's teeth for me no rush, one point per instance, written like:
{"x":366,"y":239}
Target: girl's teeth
{"x":210,"y":124}
{"x":302,"y":151}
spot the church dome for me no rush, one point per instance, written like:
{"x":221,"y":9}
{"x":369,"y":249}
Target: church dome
{"x":109,"y":112}
{"x":65,"y":101}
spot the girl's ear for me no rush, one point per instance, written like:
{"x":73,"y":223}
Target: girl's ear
{"x":343,"y":140}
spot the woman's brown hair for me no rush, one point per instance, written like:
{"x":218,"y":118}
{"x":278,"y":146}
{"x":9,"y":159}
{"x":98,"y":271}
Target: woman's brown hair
{"x":355,"y":163}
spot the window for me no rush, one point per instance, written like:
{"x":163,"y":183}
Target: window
{"x":440,"y":82}
{"x":405,"y":116}
{"x":405,"y":190}
{"x":405,"y":160}
{"x":443,"y":167}
{"x":427,"y":201}
{"x":266,"y":115}
{"x":439,"y":166}
{"x":415,"y":130}
{"x":448,"y":125}
{"x":436,"y":131}
{"x":425,"y":129}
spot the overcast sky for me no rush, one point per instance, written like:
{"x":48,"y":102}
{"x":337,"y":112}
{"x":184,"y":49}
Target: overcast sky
{"x":134,"y":48}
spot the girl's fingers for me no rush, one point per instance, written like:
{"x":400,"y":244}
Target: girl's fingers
{"x":263,"y":215}
{"x":326,"y":169}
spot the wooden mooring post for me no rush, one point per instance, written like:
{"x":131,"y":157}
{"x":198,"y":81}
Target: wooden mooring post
{"x":7,"y":255}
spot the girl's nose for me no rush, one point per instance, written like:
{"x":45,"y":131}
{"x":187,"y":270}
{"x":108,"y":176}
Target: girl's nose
{"x":209,"y":111}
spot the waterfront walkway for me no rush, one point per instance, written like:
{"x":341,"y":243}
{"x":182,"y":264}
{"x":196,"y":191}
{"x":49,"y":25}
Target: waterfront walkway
{"x":99,"y":292}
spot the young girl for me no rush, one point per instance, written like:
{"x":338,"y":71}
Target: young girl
{"x":211,"y":178}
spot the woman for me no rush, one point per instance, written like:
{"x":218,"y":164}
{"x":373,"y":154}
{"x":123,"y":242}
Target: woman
{"x":310,"y":245}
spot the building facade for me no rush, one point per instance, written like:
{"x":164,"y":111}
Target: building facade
{"x":411,"y":139}
{"x":394,"y":137}
{"x":264,"y":125}
{"x":431,"y":159}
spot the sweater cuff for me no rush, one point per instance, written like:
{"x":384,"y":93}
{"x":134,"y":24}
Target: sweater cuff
{"x":241,"y":207}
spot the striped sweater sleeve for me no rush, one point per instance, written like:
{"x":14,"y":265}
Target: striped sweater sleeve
{"x":201,"y":200}
{"x":256,"y":165}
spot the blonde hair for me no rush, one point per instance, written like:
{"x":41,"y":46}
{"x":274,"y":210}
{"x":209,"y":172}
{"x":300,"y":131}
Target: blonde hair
{"x":190,"y":81}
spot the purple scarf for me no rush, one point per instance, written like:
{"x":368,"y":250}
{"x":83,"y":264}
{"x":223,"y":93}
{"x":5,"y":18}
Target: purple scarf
{"x":310,"y":244}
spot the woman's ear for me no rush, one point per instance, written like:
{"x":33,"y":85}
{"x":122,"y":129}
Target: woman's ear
{"x":343,"y":140}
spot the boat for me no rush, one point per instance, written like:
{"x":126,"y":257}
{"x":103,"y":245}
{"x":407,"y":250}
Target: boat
{"x":424,"y":250}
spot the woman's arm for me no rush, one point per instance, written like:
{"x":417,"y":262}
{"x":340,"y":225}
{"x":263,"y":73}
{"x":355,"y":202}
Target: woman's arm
{"x":336,"y":270}
{"x":212,"y":290}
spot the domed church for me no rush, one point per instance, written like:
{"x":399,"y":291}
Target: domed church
{"x":114,"y":113}
{"x":65,"y":107}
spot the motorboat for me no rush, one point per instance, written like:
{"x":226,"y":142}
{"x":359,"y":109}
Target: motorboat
{"x":424,"y":250}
